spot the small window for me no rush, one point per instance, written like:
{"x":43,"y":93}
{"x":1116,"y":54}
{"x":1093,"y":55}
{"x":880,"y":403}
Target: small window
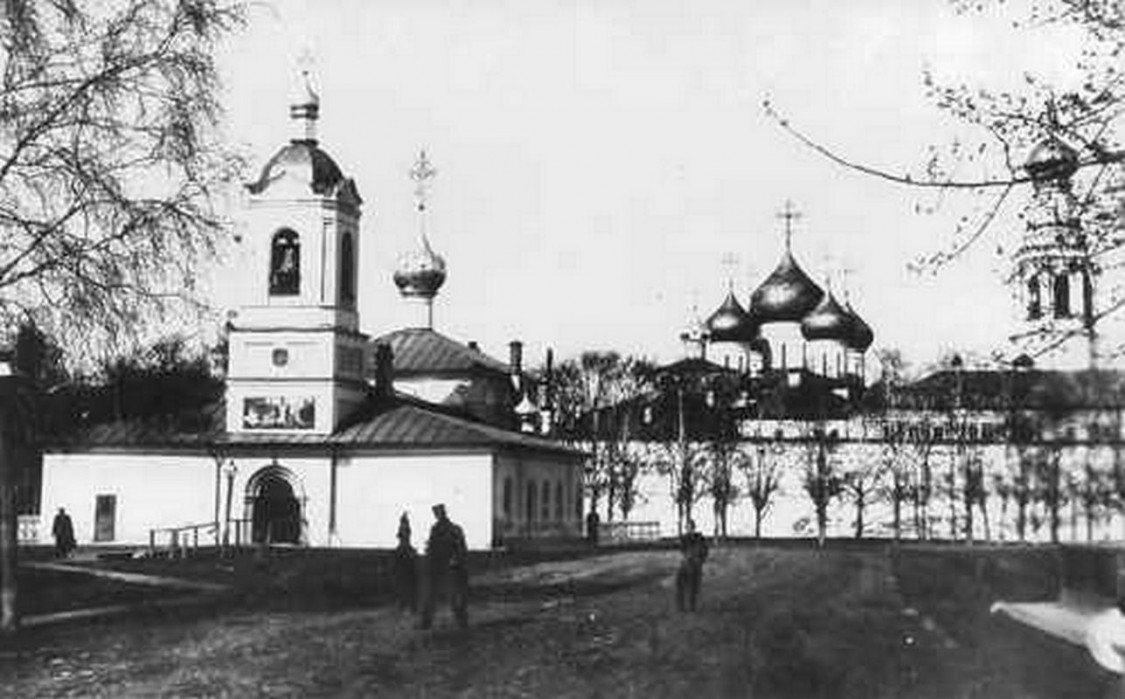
{"x":1062,"y":296}
{"x":285,"y":264}
{"x":1034,"y":301}
{"x":531,"y":501}
{"x":347,"y":270}
{"x":507,"y":498}
{"x":546,"y":512}
{"x":559,"y":501}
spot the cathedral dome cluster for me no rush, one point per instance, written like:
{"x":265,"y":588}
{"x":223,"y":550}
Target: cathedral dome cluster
{"x":790,"y":323}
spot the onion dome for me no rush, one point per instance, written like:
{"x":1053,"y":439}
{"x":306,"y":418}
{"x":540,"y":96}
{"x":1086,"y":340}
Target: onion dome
{"x":420,"y":272}
{"x":861,"y":333}
{"x":730,"y":322}
{"x":302,"y":160}
{"x":828,"y":321}
{"x":1051,"y":160}
{"x":786,"y":295}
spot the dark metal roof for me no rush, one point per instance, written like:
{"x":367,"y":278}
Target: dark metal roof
{"x":398,"y":423}
{"x":317,"y":167}
{"x":425,"y":352}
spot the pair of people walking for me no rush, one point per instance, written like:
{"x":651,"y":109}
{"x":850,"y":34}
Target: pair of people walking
{"x":444,"y":576}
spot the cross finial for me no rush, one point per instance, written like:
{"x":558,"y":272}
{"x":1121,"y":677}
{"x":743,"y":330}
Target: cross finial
{"x":422,"y":173}
{"x":789,"y":213}
{"x":846,"y":273}
{"x":729,"y":262}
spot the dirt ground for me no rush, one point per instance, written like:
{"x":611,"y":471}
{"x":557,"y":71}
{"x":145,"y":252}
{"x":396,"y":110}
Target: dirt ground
{"x":774,"y":622}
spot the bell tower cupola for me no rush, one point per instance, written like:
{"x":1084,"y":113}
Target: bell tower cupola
{"x":297,"y":354}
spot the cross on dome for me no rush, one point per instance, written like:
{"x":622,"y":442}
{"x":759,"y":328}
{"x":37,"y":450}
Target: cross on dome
{"x":789,"y":213}
{"x":422,"y":172}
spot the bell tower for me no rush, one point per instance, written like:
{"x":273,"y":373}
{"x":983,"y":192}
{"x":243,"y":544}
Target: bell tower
{"x":296,"y":353}
{"x":1055,"y":277}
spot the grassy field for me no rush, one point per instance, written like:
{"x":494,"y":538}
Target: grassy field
{"x":777,"y":621}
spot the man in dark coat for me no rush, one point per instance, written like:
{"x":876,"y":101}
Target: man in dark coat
{"x":63,"y":531}
{"x":447,"y":573}
{"x":592,"y":522}
{"x":405,"y":567}
{"x":694,"y":549}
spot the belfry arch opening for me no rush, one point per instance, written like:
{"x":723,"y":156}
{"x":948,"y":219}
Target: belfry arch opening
{"x":275,"y":505}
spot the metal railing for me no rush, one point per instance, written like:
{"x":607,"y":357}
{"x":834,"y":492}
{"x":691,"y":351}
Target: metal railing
{"x":178,"y":542}
{"x":628,"y":532}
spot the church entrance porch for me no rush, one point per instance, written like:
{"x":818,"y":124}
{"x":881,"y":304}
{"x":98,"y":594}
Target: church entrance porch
{"x":276,"y":512}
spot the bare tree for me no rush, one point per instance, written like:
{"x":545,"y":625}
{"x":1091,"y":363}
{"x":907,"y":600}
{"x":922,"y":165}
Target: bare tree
{"x":595,"y":396}
{"x":860,"y":483}
{"x":763,"y":479}
{"x":109,"y":161}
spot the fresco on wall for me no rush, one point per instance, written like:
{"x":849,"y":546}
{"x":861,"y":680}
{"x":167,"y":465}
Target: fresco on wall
{"x":279,"y":413}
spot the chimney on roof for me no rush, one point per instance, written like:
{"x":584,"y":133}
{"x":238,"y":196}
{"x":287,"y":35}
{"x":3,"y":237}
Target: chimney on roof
{"x":384,"y":371}
{"x":474,"y":346}
{"x":515,"y":357}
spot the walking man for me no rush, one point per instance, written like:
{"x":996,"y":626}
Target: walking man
{"x":447,"y":573}
{"x":63,"y":531}
{"x":694,"y":549}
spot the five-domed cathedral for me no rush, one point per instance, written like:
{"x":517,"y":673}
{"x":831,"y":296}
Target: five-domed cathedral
{"x":792,"y":329}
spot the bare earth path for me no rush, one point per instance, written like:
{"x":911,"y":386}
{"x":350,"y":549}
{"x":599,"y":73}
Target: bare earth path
{"x":774,"y":623}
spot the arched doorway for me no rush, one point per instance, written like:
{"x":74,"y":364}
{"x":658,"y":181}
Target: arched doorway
{"x":275,"y":508}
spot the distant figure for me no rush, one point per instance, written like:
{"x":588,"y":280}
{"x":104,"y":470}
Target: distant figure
{"x":694,"y":548}
{"x":63,"y":531}
{"x":405,"y":568}
{"x":447,"y":573}
{"x":592,"y":522}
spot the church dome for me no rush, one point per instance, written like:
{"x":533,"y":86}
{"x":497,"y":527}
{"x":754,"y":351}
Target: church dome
{"x":730,"y":322}
{"x":306,"y":162}
{"x":302,"y":160}
{"x":1051,"y":160}
{"x":788,"y":294}
{"x":420,"y":272}
{"x":861,"y":333}
{"x":828,"y":321}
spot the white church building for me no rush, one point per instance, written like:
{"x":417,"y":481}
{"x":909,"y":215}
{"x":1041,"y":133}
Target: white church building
{"x":324,"y":437}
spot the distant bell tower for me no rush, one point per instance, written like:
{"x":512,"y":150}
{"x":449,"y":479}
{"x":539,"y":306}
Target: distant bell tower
{"x":1055,"y":276}
{"x":296,"y":353}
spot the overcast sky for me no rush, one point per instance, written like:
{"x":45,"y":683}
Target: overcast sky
{"x":598,"y":160}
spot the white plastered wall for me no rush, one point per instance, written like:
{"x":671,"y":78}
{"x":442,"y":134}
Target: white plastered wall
{"x":151,"y":490}
{"x":373,"y":491}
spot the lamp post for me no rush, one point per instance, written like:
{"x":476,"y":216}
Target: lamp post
{"x":231,"y":470}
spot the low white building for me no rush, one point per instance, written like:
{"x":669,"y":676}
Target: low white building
{"x":314,"y":443}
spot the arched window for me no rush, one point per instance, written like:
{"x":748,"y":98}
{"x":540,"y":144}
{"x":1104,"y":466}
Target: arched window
{"x":1062,"y":296}
{"x":347,"y":270}
{"x":1034,"y":302}
{"x":285,"y":264}
{"x":559,"y":501}
{"x":507,"y":498}
{"x":546,"y":500}
{"x":531,"y":501}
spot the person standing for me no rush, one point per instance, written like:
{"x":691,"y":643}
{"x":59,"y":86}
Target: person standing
{"x":63,"y":531}
{"x":447,"y":573}
{"x":592,"y":522}
{"x":404,"y":567}
{"x":694,"y":550}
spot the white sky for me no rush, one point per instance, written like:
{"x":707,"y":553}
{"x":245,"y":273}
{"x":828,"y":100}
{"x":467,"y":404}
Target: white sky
{"x":598,"y":159}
